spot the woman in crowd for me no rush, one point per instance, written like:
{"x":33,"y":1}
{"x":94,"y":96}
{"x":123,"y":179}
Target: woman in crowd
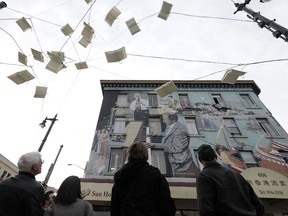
{"x":139,"y":188}
{"x":68,"y":201}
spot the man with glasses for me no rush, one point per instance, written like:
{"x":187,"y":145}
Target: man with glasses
{"x":22,"y":194}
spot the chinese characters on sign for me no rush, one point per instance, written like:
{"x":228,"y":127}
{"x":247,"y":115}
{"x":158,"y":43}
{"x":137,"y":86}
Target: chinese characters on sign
{"x":267,"y":183}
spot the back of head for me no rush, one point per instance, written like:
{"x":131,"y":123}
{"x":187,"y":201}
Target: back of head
{"x":206,"y":153}
{"x":26,"y":161}
{"x":137,"y":151}
{"x":69,"y":191}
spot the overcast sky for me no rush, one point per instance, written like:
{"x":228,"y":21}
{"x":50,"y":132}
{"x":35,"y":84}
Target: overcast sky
{"x":201,"y":39}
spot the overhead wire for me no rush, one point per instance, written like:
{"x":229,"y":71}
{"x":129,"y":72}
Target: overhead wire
{"x":212,"y":17}
{"x":181,"y":59}
{"x":234,"y":65}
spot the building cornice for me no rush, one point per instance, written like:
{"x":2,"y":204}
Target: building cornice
{"x":182,"y":85}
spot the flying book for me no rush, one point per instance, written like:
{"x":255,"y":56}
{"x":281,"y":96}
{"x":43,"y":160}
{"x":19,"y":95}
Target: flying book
{"x":231,"y":76}
{"x":116,"y":55}
{"x":166,"y":88}
{"x":112,"y":15}
{"x":165,"y":10}
{"x":21,"y":77}
{"x":132,"y":26}
{"x":40,"y":92}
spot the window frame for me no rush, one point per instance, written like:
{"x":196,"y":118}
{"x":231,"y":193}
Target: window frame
{"x":155,"y":123}
{"x":120,"y":156}
{"x":248,"y":101}
{"x":232,"y":128}
{"x":122,"y":100}
{"x":267,"y":127}
{"x":218,"y":99}
{"x":161,"y":161}
{"x":153,"y":100}
{"x":191,"y":121}
{"x":251,"y":160}
{"x":122,"y":124}
{"x":184,"y":100}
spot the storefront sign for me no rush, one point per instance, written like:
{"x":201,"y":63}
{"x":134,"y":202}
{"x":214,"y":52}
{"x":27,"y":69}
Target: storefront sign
{"x":102,"y":191}
{"x":267,"y":183}
{"x":99,"y":191}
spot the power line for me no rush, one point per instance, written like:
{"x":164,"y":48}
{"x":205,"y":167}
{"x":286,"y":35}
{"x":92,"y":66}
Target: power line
{"x":211,"y":17}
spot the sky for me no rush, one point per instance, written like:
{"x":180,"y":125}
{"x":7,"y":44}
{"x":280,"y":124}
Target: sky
{"x":200,"y":40}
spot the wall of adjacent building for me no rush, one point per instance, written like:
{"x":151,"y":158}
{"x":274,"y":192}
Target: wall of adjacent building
{"x":7,"y":168}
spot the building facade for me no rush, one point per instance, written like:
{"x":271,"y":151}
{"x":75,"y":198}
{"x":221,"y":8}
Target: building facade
{"x":230,"y":118}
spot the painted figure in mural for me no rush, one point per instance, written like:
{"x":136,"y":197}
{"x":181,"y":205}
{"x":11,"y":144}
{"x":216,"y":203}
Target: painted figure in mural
{"x":172,"y":103}
{"x":176,"y":147}
{"x":102,"y":145}
{"x":139,"y":188}
{"x":216,"y":195}
{"x":138,"y":103}
{"x":22,"y":194}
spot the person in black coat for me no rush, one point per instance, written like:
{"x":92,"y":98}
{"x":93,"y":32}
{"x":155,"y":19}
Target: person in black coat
{"x":139,"y":188}
{"x":22,"y":194}
{"x":222,"y":191}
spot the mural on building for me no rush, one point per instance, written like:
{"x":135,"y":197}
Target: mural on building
{"x":174,"y":127}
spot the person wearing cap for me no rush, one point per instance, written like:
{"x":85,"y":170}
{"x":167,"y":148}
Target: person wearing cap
{"x":222,"y":191}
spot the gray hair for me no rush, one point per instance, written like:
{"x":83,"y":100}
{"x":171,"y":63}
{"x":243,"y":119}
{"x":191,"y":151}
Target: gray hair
{"x":27,"y":160}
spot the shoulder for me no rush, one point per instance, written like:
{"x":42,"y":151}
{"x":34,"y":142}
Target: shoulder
{"x":152,"y":171}
{"x":180,"y":126}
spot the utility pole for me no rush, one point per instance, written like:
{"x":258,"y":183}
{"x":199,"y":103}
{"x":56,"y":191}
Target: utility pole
{"x":277,"y":30}
{"x":51,"y":169}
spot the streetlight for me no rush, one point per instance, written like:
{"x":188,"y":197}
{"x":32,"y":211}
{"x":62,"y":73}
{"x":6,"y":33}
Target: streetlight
{"x":51,"y":168}
{"x":76,"y":166}
{"x":42,"y":125}
{"x":2,"y":5}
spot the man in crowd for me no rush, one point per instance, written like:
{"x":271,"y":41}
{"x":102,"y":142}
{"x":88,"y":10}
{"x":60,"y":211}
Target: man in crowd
{"x":22,"y":194}
{"x":222,"y":191}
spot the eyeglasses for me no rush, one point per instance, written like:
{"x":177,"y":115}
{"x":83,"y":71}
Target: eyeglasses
{"x":41,"y":161}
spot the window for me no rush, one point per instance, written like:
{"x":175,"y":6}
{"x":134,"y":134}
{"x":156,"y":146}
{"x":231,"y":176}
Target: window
{"x":200,"y":165}
{"x":191,"y":126}
{"x":152,"y":99}
{"x":284,"y":155}
{"x":122,"y":100}
{"x":154,"y":126}
{"x":231,"y":126}
{"x":158,"y":160}
{"x":184,"y":100}
{"x":143,"y":134}
{"x":119,"y":125}
{"x":116,"y":159}
{"x":3,"y":175}
{"x":249,"y":159}
{"x":218,"y":100}
{"x":267,"y":127}
{"x":247,"y":100}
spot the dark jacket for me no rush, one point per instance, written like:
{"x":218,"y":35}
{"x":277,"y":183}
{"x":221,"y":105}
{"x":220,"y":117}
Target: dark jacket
{"x":21,"y":196}
{"x":150,"y":196}
{"x":224,"y":192}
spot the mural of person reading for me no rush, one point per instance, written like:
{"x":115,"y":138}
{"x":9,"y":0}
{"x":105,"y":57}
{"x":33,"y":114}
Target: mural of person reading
{"x":139,"y":107}
{"x":138,"y":103}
